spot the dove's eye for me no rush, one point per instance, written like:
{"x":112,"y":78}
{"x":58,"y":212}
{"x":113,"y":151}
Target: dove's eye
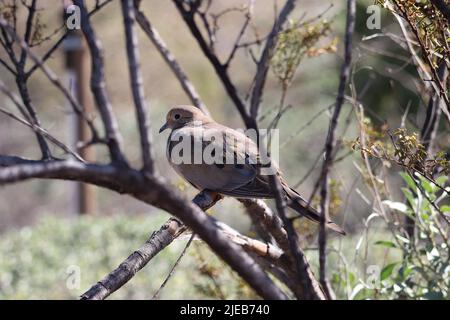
{"x":177,"y":116}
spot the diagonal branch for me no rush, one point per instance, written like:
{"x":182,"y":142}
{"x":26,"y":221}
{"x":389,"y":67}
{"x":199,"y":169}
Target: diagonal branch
{"x":136,"y":261}
{"x":43,"y":132}
{"x":264,"y":61}
{"x":168,"y":57}
{"x":159,"y":240}
{"x":172,"y":270}
{"x":19,"y":65}
{"x":331,"y":141}
{"x":443,"y":8}
{"x":220,"y":69}
{"x":154,"y":191}
{"x":98,"y":87}
{"x":137,"y":88}
{"x":52,"y":77}
{"x":272,"y":224}
{"x":61,"y":39}
{"x":308,"y":285}
{"x":28,"y":32}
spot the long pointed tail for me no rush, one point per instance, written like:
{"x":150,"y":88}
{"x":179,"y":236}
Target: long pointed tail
{"x":301,"y":206}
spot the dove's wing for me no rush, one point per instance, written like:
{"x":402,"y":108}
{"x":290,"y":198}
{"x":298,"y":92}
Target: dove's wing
{"x":218,"y":175}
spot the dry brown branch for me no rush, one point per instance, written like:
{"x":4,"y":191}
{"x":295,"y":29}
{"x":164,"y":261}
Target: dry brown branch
{"x":154,"y":191}
{"x":161,"y":239}
{"x":169,"y":58}
{"x":188,"y":16}
{"x":331,"y":142}
{"x":52,"y":78}
{"x":128,"y":11}
{"x":264,"y":62}
{"x":98,"y":87}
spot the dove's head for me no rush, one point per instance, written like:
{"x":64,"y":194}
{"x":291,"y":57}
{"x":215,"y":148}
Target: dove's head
{"x":180,"y":116}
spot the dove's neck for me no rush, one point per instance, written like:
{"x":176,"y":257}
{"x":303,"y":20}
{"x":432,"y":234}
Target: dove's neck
{"x":199,"y":122}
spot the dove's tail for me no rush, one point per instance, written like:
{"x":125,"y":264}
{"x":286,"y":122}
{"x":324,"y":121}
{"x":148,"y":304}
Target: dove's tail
{"x":301,"y":206}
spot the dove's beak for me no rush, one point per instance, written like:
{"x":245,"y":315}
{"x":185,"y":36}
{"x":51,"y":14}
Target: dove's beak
{"x":164,"y":127}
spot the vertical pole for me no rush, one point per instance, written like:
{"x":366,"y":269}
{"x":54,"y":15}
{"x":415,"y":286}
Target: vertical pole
{"x":83,"y":197}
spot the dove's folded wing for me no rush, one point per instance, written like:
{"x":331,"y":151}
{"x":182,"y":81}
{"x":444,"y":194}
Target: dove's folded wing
{"x":219,"y":175}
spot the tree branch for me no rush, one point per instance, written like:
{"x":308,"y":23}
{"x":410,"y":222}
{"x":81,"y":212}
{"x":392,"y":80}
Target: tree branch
{"x":272,"y":224}
{"x":154,"y":191}
{"x":136,"y":261}
{"x":137,"y":86}
{"x":221,"y":70}
{"x":164,"y":237}
{"x":309,"y":287}
{"x":264,"y":61}
{"x":98,"y":87}
{"x":52,"y":78}
{"x":331,"y":142}
{"x":443,"y":8}
{"x":169,"y":58}
{"x":61,"y":39}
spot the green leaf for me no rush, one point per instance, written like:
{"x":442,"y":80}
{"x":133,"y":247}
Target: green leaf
{"x":424,"y":217}
{"x":406,"y":270}
{"x":426,"y":185}
{"x":387,"y":271}
{"x":351,"y":278}
{"x":357,"y":289}
{"x":441,"y":180}
{"x":409,"y":195}
{"x":445,"y":208}
{"x":409,"y":181}
{"x":387,"y":244}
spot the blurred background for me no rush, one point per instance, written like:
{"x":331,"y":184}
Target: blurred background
{"x":42,"y":234}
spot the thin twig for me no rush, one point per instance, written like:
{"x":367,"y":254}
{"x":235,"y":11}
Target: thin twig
{"x":263,"y":63}
{"x":331,"y":142}
{"x":221,"y":71}
{"x":169,"y":58}
{"x":172,"y":270}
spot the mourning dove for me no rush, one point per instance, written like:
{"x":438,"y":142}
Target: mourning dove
{"x":241,"y":177}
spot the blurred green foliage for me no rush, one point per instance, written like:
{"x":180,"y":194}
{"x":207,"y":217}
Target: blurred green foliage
{"x":37,"y":262}
{"x":409,"y":268}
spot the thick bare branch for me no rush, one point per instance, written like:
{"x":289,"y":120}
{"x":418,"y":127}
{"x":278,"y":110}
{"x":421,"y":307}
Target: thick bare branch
{"x":98,"y":87}
{"x":161,"y":239}
{"x":153,"y":191}
{"x":136,"y":261}
{"x":137,"y":88}
{"x":310,"y":288}
{"x":273,"y":225}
